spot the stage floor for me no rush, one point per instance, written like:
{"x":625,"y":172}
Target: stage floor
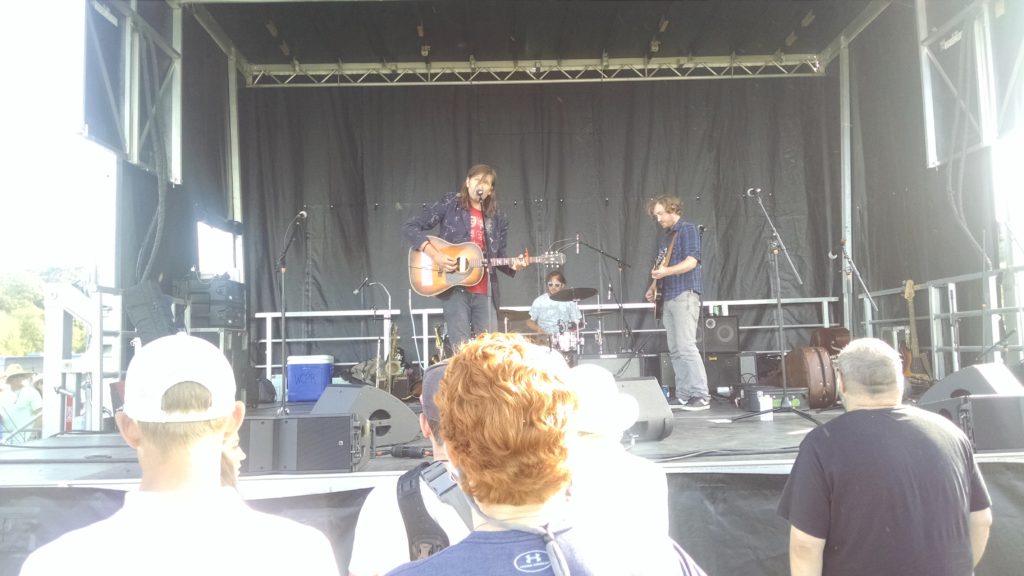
{"x":705,"y":441}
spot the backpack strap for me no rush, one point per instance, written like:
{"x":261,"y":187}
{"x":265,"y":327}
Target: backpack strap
{"x":425,"y":535}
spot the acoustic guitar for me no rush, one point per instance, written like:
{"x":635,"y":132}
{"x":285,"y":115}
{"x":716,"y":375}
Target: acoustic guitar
{"x":429,"y":279}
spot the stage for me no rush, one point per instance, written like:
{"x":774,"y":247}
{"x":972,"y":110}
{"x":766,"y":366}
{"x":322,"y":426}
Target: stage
{"x":724,"y":482}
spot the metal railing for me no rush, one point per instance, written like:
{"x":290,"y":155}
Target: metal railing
{"x":999,"y":328}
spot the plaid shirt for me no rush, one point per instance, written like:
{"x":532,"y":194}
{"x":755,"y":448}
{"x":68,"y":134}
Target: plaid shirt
{"x":687,"y":244}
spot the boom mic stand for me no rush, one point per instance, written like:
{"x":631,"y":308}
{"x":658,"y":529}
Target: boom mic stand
{"x":775,"y":245}
{"x":282,"y":268}
{"x":627,"y":333}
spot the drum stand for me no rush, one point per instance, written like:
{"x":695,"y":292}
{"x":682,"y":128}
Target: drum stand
{"x":775,"y":245}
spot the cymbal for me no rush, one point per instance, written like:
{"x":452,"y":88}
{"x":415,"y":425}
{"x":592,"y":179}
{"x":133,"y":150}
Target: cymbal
{"x":570,"y":294}
{"x":514,"y":315}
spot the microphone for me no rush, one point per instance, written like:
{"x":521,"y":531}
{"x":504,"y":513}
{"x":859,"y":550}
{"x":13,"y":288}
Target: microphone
{"x":480,"y":193}
{"x":832,"y":254}
{"x":301,"y":215}
{"x":700,"y":229}
{"x":609,"y":291}
{"x":751,"y":192}
{"x":577,"y":243}
{"x":365,"y":282}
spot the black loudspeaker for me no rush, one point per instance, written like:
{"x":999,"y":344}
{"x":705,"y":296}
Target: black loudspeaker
{"x":302,"y":443}
{"x":992,"y":422}
{"x":719,"y":334}
{"x":391,"y":421}
{"x":974,"y":381}
{"x":723,"y":370}
{"x":655,"y":420}
{"x":621,"y":366}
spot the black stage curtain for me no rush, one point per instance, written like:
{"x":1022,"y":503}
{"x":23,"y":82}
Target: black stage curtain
{"x":570,"y":159}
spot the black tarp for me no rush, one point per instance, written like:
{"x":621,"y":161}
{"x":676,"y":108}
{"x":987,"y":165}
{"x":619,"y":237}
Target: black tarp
{"x":570,"y":159}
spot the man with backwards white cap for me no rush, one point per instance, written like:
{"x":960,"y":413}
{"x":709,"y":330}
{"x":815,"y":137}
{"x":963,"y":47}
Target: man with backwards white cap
{"x":180,"y":415}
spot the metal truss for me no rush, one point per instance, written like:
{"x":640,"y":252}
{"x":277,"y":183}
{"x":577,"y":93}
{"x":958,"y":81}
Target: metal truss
{"x":540,"y":71}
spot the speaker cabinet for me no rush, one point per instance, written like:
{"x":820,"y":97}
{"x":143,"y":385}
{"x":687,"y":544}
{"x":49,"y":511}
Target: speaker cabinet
{"x":992,"y":422}
{"x":719,"y":334}
{"x":974,"y":380}
{"x":723,"y":370}
{"x":302,"y":443}
{"x":655,"y":420}
{"x":620,"y":366}
{"x":391,"y":421}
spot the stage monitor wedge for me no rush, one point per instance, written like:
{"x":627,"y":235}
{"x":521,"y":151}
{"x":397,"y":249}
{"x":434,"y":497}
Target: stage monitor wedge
{"x":991,"y":421}
{"x":974,"y":380}
{"x":655,"y":420}
{"x":392,"y":422}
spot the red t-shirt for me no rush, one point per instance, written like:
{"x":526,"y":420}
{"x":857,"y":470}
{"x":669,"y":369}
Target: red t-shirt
{"x":476,"y":235}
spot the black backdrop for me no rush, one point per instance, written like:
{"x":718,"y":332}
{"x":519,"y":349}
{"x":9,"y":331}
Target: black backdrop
{"x":570,"y":158}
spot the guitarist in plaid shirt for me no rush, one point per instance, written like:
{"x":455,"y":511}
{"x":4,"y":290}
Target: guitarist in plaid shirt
{"x":678,"y":279}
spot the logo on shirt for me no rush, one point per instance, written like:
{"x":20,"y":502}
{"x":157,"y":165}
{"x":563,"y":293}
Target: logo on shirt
{"x":532,"y":561}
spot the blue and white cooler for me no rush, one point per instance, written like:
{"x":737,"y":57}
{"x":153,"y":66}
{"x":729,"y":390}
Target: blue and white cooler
{"x":308,"y":376}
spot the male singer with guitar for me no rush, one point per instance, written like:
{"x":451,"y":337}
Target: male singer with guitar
{"x":675,"y":290}
{"x":469,"y":215}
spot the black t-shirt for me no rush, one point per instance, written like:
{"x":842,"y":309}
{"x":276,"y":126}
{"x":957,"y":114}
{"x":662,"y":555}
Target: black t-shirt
{"x":890,"y":491}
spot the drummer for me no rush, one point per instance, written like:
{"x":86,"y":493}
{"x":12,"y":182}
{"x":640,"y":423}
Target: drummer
{"x":551,"y":316}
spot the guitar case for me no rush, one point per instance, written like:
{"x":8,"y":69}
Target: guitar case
{"x":831,"y":339}
{"x":811,"y":368}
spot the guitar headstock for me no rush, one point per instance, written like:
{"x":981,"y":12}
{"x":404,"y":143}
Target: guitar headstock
{"x":550,"y":259}
{"x":908,"y":290}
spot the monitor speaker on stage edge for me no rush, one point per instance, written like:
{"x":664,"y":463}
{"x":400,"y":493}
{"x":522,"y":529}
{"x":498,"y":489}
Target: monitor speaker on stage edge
{"x":655,"y":420}
{"x":338,"y":434}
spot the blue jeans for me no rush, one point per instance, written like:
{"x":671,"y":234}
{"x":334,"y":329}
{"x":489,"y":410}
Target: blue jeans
{"x":680,"y":319}
{"x":466,"y":315}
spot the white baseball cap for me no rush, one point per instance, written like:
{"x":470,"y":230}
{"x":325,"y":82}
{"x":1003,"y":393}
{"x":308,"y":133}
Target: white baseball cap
{"x":170,"y":360}
{"x":602,"y":409}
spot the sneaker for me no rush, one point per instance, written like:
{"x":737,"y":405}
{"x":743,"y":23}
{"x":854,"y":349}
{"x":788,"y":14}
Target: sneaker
{"x":694,"y":404}
{"x":675,"y":403}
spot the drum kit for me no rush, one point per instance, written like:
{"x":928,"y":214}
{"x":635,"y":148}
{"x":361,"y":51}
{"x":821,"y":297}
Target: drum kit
{"x":569,"y":340}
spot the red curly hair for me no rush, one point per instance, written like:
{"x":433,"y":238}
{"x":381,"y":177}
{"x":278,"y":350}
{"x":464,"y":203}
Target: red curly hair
{"x":505,"y":411}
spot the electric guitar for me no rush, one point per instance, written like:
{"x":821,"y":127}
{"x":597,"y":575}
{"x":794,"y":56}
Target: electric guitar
{"x":915,"y":365}
{"x":429,"y":279}
{"x":660,"y":262}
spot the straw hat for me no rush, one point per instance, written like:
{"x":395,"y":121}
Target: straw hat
{"x":13,"y":370}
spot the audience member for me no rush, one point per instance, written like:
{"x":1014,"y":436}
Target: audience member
{"x":884,"y":488}
{"x":181,"y":417}
{"x":506,"y":418}
{"x":601,"y":466}
{"x":20,"y":406}
{"x":437,"y":515}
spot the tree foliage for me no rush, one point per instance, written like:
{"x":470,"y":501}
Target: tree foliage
{"x":22,"y":311}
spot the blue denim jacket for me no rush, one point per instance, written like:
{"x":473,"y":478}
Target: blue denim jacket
{"x":454,"y":228}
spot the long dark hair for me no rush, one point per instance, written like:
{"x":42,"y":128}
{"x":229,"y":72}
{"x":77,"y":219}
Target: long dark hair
{"x":490,"y":204}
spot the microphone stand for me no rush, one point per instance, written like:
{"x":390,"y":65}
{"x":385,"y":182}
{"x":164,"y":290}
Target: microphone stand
{"x":627,"y":333}
{"x":282,"y":268}
{"x":775,"y":245}
{"x":491,"y":306}
{"x":380,"y":338}
{"x":853,"y":267}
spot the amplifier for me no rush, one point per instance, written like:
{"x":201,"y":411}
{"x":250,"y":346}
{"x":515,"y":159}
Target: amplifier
{"x":217,"y":315}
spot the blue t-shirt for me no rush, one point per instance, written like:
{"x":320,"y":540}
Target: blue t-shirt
{"x":515,"y":553}
{"x":547,"y":313}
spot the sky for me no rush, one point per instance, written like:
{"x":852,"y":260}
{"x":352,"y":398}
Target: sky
{"x":56,"y":196}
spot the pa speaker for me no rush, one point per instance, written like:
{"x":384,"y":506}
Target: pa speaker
{"x":655,"y":420}
{"x":390,"y":421}
{"x":719,"y":334}
{"x":992,"y":422}
{"x":302,"y":443}
{"x":974,"y":380}
{"x":620,"y":366}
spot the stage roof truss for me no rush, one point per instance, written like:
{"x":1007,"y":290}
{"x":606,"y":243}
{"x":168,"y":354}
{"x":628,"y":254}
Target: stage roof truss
{"x":300,"y":75}
{"x":641,"y":32}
